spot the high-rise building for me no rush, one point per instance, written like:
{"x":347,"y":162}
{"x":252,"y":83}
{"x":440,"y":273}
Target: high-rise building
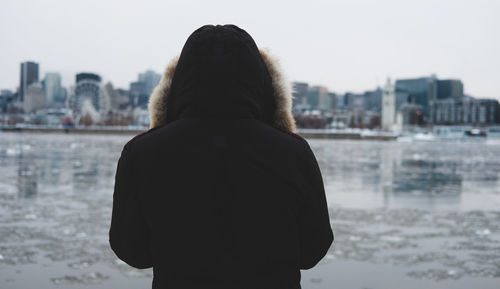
{"x":150,"y":80}
{"x":34,"y":97}
{"x":450,"y":88}
{"x":420,"y":91}
{"x":138,"y":94}
{"x":5,"y":98}
{"x":333,"y":100}
{"x":63,"y":96}
{"x":52,"y":87}
{"x":299,"y":92}
{"x":373,"y":100}
{"x":111,"y":96}
{"x":29,"y":75}
{"x":340,"y":102}
{"x":87,"y":88}
{"x":318,"y":98}
{"x":388,"y":106}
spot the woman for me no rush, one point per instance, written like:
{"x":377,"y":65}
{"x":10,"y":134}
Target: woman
{"x":220,"y":193}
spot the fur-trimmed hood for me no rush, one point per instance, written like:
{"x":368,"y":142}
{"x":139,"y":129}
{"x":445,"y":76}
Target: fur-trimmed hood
{"x":221,"y":71}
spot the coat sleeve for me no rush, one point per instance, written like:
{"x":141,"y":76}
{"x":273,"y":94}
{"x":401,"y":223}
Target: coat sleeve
{"x":129,"y":234}
{"x":315,"y":232}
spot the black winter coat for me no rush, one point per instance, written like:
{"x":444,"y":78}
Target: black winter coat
{"x":220,"y":193}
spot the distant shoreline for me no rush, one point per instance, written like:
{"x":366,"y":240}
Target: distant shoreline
{"x":306,"y":133}
{"x":73,"y":130}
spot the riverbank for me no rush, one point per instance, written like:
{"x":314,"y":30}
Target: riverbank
{"x":116,"y":130}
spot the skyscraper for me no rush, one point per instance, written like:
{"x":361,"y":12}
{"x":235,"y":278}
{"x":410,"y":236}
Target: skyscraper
{"x":150,"y":80}
{"x":299,"y":92}
{"x":450,"y":88}
{"x":29,"y":75}
{"x":111,"y":97}
{"x":52,"y":87}
{"x":138,"y":94}
{"x":420,"y":91}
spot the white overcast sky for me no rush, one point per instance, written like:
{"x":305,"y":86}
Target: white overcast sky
{"x":349,"y":45}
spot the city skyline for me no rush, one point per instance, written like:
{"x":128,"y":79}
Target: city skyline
{"x":344,"y":46}
{"x":418,"y":102}
{"x":71,"y":82}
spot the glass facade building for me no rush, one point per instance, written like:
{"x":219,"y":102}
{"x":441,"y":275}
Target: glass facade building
{"x":29,"y":75}
{"x":453,"y":111}
{"x":421,"y":91}
{"x":299,"y":92}
{"x":138,"y":94}
{"x":150,"y":80}
{"x":52,"y":87}
{"x":450,"y":88}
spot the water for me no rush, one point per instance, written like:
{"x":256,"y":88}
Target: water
{"x":405,"y":215}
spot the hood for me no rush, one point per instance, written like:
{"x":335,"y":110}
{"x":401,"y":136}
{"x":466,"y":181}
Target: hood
{"x":221,"y":73}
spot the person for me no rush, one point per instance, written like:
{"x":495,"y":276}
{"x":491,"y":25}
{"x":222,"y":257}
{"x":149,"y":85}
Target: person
{"x":220,"y":193}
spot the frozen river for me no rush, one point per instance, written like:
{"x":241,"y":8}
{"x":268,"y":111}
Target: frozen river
{"x":404,"y":215}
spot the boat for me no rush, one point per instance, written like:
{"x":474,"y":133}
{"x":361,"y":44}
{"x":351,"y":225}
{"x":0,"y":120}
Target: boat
{"x":475,"y":133}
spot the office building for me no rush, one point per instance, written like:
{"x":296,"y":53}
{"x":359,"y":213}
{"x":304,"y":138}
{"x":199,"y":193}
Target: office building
{"x":373,"y":100}
{"x":467,"y":110}
{"x":450,"y":88}
{"x":340,"y":103}
{"x":123,"y":98}
{"x":150,"y":80}
{"x":317,"y":97}
{"x":354,"y":101}
{"x":5,"y":98}
{"x":299,"y":92}
{"x":52,"y":86}
{"x":34,"y":98}
{"x":333,"y":99}
{"x":111,"y":96}
{"x":138,"y":94}
{"x":421,"y":91}
{"x":29,"y":75}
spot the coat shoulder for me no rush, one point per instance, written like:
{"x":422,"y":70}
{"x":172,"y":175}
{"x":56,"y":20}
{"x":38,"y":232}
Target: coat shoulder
{"x":141,"y":135}
{"x":292,"y":136}
{"x":295,"y":135}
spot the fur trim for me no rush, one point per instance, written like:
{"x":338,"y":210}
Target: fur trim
{"x":283,"y":118}
{"x":157,"y":105}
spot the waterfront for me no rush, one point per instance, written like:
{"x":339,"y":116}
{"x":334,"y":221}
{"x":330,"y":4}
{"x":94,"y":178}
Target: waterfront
{"x":404,"y":214}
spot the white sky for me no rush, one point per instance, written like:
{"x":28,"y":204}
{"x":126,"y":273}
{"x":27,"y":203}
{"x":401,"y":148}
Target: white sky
{"x":349,"y":45}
